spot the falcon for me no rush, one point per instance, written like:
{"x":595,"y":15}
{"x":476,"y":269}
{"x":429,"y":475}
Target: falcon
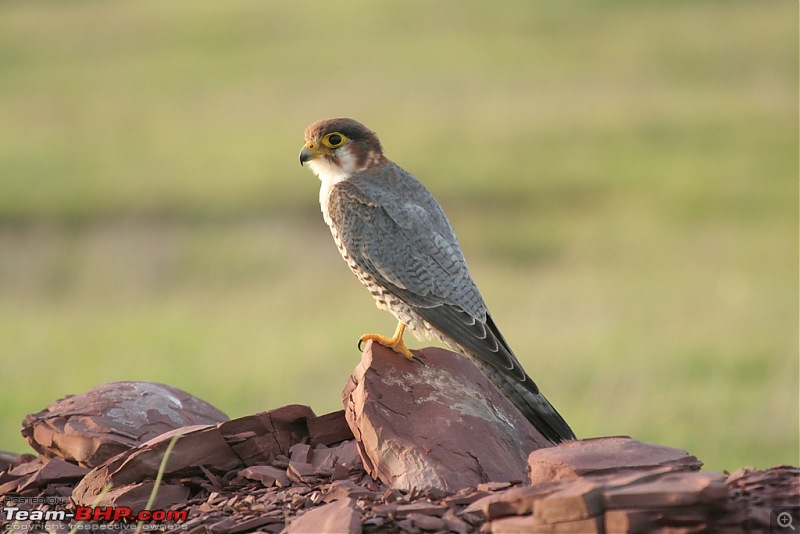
{"x":397,"y":240}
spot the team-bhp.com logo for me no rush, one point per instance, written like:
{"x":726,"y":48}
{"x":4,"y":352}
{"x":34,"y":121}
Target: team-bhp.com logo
{"x":15,"y":515}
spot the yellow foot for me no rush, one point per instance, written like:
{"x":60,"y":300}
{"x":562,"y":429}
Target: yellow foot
{"x":395,"y":342}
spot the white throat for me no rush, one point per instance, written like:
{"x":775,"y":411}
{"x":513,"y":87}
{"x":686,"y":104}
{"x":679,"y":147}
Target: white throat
{"x":330,"y":174}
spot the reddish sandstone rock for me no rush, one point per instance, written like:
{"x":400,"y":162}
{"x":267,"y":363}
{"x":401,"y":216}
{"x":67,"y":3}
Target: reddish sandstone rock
{"x":603,"y":456}
{"x":92,"y":427}
{"x":435,"y":425}
{"x":293,"y":474}
{"x":632,"y":501}
{"x":232,"y":445}
{"x":339,"y":517}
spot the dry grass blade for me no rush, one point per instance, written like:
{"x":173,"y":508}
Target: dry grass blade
{"x":77,"y":526}
{"x":159,"y":477}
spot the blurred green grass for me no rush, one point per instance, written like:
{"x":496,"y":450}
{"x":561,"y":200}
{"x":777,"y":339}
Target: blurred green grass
{"x":623,"y":178}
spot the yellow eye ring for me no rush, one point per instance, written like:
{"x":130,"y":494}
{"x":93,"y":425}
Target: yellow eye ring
{"x":334,"y":140}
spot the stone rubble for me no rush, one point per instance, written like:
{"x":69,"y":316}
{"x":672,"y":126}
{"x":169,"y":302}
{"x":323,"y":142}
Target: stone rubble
{"x":358,"y":469}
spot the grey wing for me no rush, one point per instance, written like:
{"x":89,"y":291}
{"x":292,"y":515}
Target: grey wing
{"x":401,"y":237}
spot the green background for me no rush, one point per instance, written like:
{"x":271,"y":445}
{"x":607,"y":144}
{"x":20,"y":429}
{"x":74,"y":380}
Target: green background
{"x":623,"y":177}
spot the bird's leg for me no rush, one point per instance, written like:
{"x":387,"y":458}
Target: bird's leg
{"x":395,"y":342}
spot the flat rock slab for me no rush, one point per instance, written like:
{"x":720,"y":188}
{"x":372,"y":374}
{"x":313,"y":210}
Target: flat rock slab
{"x":640,"y":501}
{"x":339,"y":517}
{"x":92,"y":427}
{"x":602,"y":456}
{"x":671,"y":489}
{"x":532,"y":524}
{"x":435,"y":425}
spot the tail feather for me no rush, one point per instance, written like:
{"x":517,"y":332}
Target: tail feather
{"x":533,"y":405}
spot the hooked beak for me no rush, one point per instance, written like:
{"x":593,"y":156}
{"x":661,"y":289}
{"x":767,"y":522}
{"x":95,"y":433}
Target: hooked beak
{"x":308,"y":152}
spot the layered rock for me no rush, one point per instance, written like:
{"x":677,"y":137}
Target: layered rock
{"x":90,"y":428}
{"x":435,"y":424}
{"x":440,"y":453}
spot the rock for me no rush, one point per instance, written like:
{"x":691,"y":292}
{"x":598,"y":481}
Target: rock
{"x":135,"y":496}
{"x":300,"y":452}
{"x":671,"y":489}
{"x":631,"y":501}
{"x":493,"y":486}
{"x":514,"y":501}
{"x":41,"y":472}
{"x":341,"y":489}
{"x":267,"y":475}
{"x":760,"y":493}
{"x":92,"y":427}
{"x":260,"y":472}
{"x":529,"y":523}
{"x":672,"y":499}
{"x":336,"y":462}
{"x":258,"y":438}
{"x":57,"y":470}
{"x":301,"y":472}
{"x":329,"y":429}
{"x":429,"y":522}
{"x":346,"y":455}
{"x":583,"y":499}
{"x":263,"y":498}
{"x":229,"y":446}
{"x":455,"y":524}
{"x":605,"y":455}
{"x":199,"y":445}
{"x":7,"y":459}
{"x":340,"y":517}
{"x":435,"y":425}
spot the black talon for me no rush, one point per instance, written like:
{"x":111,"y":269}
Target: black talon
{"x":417,"y":359}
{"x":360,"y":341}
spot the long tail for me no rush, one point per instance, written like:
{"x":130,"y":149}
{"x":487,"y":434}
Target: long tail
{"x":533,"y":405}
{"x":482,"y":342}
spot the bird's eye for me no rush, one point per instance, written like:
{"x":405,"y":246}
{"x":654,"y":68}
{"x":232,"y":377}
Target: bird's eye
{"x":333,"y":140}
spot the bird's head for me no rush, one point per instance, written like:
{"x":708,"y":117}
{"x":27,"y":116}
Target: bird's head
{"x":339,"y":148}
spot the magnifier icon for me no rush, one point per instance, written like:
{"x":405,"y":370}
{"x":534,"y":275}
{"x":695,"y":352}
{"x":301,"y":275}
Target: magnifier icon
{"x":785,"y":520}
